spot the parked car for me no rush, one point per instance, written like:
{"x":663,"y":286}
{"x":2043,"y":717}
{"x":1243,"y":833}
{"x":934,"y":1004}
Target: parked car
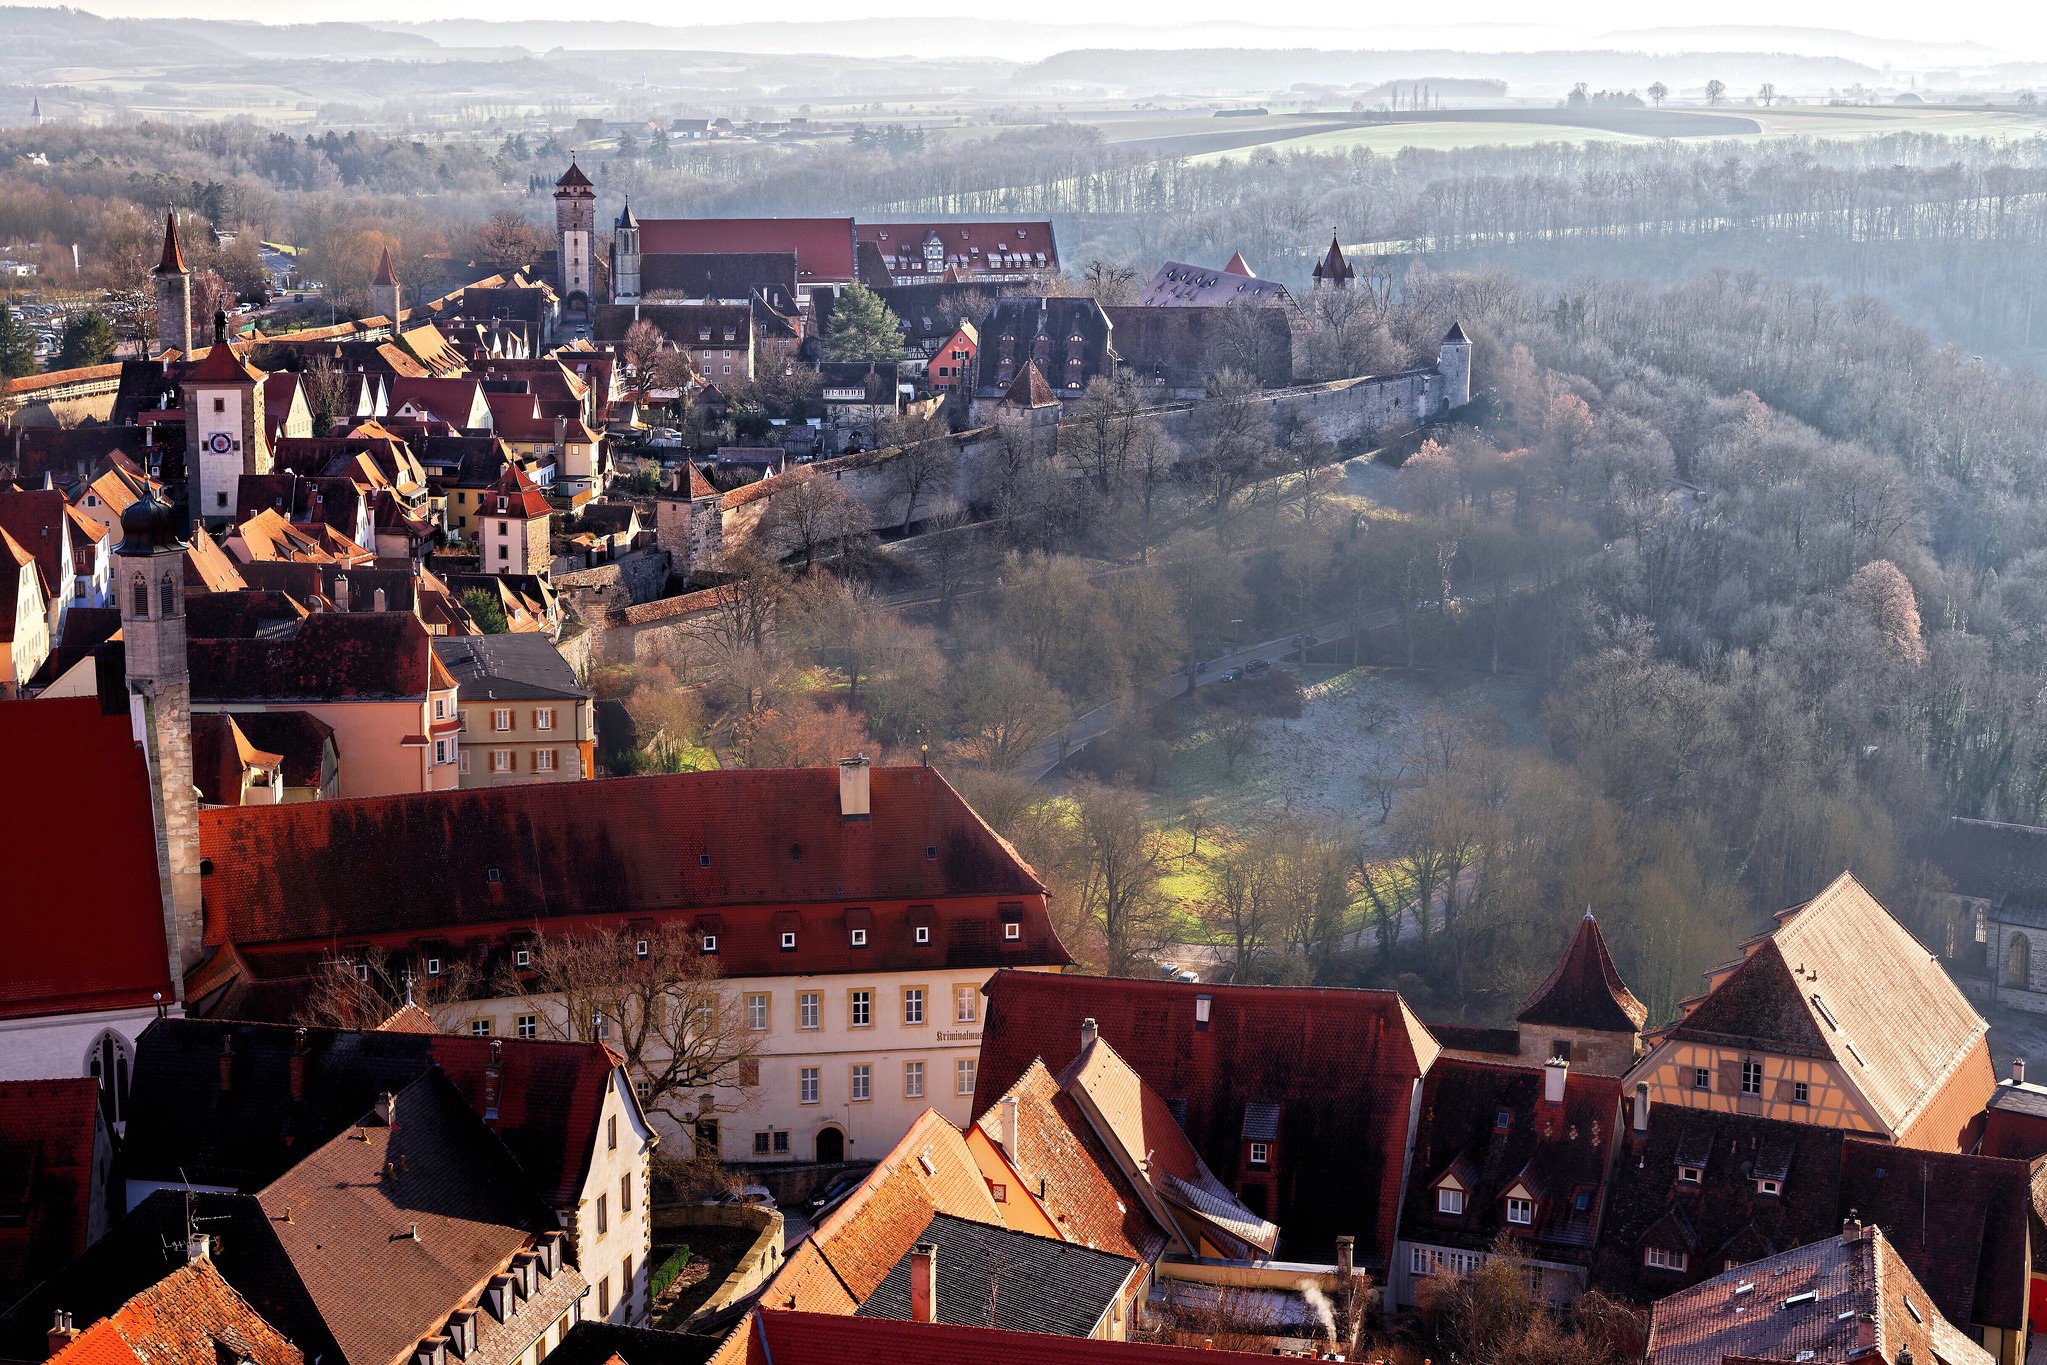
{"x":1257,"y":666}
{"x":757,"y":1195}
{"x":1231,"y":675}
{"x":834,"y":1193}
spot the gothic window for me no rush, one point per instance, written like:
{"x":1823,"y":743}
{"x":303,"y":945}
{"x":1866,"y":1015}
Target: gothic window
{"x":108,"y":1062}
{"x":140,"y":594}
{"x":2018,"y":961}
{"x":167,"y":596}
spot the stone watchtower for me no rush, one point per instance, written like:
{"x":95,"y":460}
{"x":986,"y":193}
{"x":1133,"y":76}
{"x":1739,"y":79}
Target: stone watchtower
{"x":689,"y":523}
{"x":575,"y":236}
{"x":386,"y":299}
{"x":173,"y":292}
{"x":1584,"y":1013}
{"x":1453,"y":362}
{"x":149,"y":581}
{"x":625,"y":257}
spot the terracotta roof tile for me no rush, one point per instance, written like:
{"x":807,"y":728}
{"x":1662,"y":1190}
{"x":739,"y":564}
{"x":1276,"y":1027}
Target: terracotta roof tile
{"x":190,"y":1317}
{"x":823,"y":246}
{"x":1585,"y":990}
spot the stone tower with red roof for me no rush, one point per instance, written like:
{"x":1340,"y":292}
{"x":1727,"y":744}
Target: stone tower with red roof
{"x":149,"y":582}
{"x":225,"y":435}
{"x":575,"y":236}
{"x":1584,"y":1012}
{"x":385,"y":294}
{"x":173,"y":284}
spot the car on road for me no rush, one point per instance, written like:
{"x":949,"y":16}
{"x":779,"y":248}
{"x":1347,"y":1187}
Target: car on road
{"x":757,"y":1195}
{"x":1231,"y":675}
{"x":1257,"y":666}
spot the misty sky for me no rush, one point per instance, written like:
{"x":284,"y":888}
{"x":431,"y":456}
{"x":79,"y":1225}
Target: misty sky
{"x":2016,"y":27}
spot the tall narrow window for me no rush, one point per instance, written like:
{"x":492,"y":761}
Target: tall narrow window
{"x":140,"y":594}
{"x":167,"y":596}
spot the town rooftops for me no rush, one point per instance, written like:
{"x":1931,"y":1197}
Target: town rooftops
{"x":192,"y":1316}
{"x":685,"y":843}
{"x":1029,"y":389}
{"x":1959,"y":1222}
{"x":508,"y":668}
{"x":968,"y":248}
{"x":1847,"y":1298}
{"x":70,"y":952}
{"x":989,"y":1276}
{"x":823,"y":247}
{"x":331,"y":656}
{"x":1584,"y":990}
{"x":232,"y":1104}
{"x":782,"y":1337}
{"x":1180,"y":285}
{"x":1334,"y":1061}
{"x":591,"y":1342}
{"x":1840,"y":979}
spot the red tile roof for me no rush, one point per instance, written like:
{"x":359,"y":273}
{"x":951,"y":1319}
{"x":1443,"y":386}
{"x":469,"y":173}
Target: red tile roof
{"x":687,"y":843}
{"x":36,"y":518}
{"x":968,"y":247}
{"x":522,"y":497}
{"x":48,"y":1141}
{"x":221,"y":365}
{"x":781,"y":1337}
{"x":332,"y":656}
{"x":173,"y":260}
{"x":190,"y":1317}
{"x":823,"y":246}
{"x":1334,"y":1061}
{"x":385,"y":274}
{"x":1585,"y":990}
{"x":1958,"y":1221}
{"x":68,"y":952}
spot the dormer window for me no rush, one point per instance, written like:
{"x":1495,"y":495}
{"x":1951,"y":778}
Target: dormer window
{"x":1012,"y":932}
{"x":859,"y":938}
{"x":641,"y":948}
{"x":522,"y":957}
{"x":1450,"y":1201}
{"x":1520,"y":1212}
{"x":1769,"y":1187}
{"x":1261,"y":1154}
{"x":1690,"y":1175}
{"x":1656,"y":1258}
{"x":788,"y":942}
{"x":710,"y":943}
{"x":923,"y":933}
{"x":433,"y":966}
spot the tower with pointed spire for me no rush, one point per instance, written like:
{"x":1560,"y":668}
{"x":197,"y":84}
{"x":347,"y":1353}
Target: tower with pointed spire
{"x":575,"y":236}
{"x":1453,"y":362}
{"x":35,"y":112}
{"x":1333,"y":271}
{"x":625,"y":257}
{"x":1584,"y":1013}
{"x":173,"y":283}
{"x":385,"y":296}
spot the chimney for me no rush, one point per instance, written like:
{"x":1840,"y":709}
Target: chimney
{"x":341,"y":592}
{"x":1009,"y":1108}
{"x":377,"y":600}
{"x":198,"y":1247}
{"x":1641,"y":1109}
{"x":1088,"y":1033}
{"x":853,"y":787}
{"x":1554,"y":1072}
{"x":2018,"y":1071}
{"x":924,"y":1282}
{"x":61,"y":1333}
{"x":387,"y":1109}
{"x":493,"y":1081}
{"x":1346,"y":1256}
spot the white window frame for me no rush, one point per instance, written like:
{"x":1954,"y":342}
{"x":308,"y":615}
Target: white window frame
{"x":966,"y":1004}
{"x":810,"y":1085}
{"x":1450,"y":1201}
{"x":862,"y":1081}
{"x":913,"y":1005}
{"x":913,"y":1080}
{"x":1691,"y":1175}
{"x":543,"y":718}
{"x":788,"y":941}
{"x":809,"y":1007}
{"x":1656,"y":1258}
{"x":526,"y":1026}
{"x":710,"y":943}
{"x":757,"y":1012}
{"x":1261,"y":1154}
{"x":1752,"y":1078}
{"x":543,"y":760}
{"x":859,"y":938}
{"x":860,"y":1008}
{"x":1524,"y":1207}
{"x":923,"y":933}
{"x":501,"y":720}
{"x":963,"y":1075}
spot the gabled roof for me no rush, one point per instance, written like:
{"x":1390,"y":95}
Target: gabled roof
{"x":1178,"y":284}
{"x":969,"y":248}
{"x":38,"y":520}
{"x":221,"y":756}
{"x":235,"y":1104}
{"x":49,"y":1133}
{"x":190,"y":1317}
{"x":1455,"y":336}
{"x":508,"y":668}
{"x":332,"y":656}
{"x":823,"y":247}
{"x":1584,"y":990}
{"x":208,"y":567}
{"x":222,"y":364}
{"x":69,"y":952}
{"x":15,"y":562}
{"x":989,"y":1276}
{"x":780,"y":1337}
{"x":591,"y":1342}
{"x":1840,"y":978}
{"x":1335,"y":1061}
{"x":1239,"y":266}
{"x":1830,"y":1302}
{"x":1958,"y":1221}
{"x":521,"y":495}
{"x":573,"y":178}
{"x":300,"y":738}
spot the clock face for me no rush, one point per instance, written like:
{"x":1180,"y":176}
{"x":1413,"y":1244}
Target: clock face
{"x":220,"y":442}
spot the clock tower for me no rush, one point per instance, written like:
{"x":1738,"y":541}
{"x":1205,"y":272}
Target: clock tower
{"x":225,"y":436}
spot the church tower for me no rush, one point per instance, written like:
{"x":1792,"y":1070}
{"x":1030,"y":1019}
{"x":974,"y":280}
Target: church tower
{"x":149,"y":580}
{"x":575,"y":235}
{"x":625,"y":257}
{"x":384,"y":291}
{"x":225,"y":435}
{"x":173,"y":292}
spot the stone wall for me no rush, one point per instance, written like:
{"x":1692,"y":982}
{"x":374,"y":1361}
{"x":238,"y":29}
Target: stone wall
{"x":593,"y":594}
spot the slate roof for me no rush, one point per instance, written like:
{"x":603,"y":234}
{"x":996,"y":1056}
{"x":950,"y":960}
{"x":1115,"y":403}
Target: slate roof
{"x":720,"y":275}
{"x":1840,"y":978}
{"x":1958,"y":1221}
{"x":1725,"y":1216}
{"x":526,"y":853}
{"x":1026,"y":330}
{"x":1335,"y":1061}
{"x":2027,"y":1099}
{"x":992,"y":1277}
{"x":190,"y":1317}
{"x":1560,"y":1154}
{"x":591,"y":1342}
{"x":1180,"y":285}
{"x":48,"y":1131}
{"x":217,"y":1099}
{"x":508,"y":667}
{"x":68,"y":952}
{"x":1825,"y":1303}
{"x":1585,"y":990}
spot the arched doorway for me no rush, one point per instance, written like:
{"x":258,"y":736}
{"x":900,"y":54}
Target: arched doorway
{"x":2018,"y":962}
{"x":831,"y":1145}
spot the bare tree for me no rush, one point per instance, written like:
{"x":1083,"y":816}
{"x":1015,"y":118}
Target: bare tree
{"x":1117,"y":863}
{"x":1003,"y":708}
{"x":809,"y":512}
{"x":921,"y":466}
{"x":506,"y":240}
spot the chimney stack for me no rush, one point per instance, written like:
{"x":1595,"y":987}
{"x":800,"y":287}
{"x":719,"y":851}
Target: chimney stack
{"x":198,"y":1247}
{"x":1088,"y":1033}
{"x":341,"y":592}
{"x":387,"y":1109}
{"x":853,"y":787}
{"x":924,"y":1282}
{"x":2018,"y":1071}
{"x":1009,"y":1128}
{"x":1346,"y":1256}
{"x":61,"y":1333}
{"x":1554,"y":1072}
{"x":1641,"y":1108}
